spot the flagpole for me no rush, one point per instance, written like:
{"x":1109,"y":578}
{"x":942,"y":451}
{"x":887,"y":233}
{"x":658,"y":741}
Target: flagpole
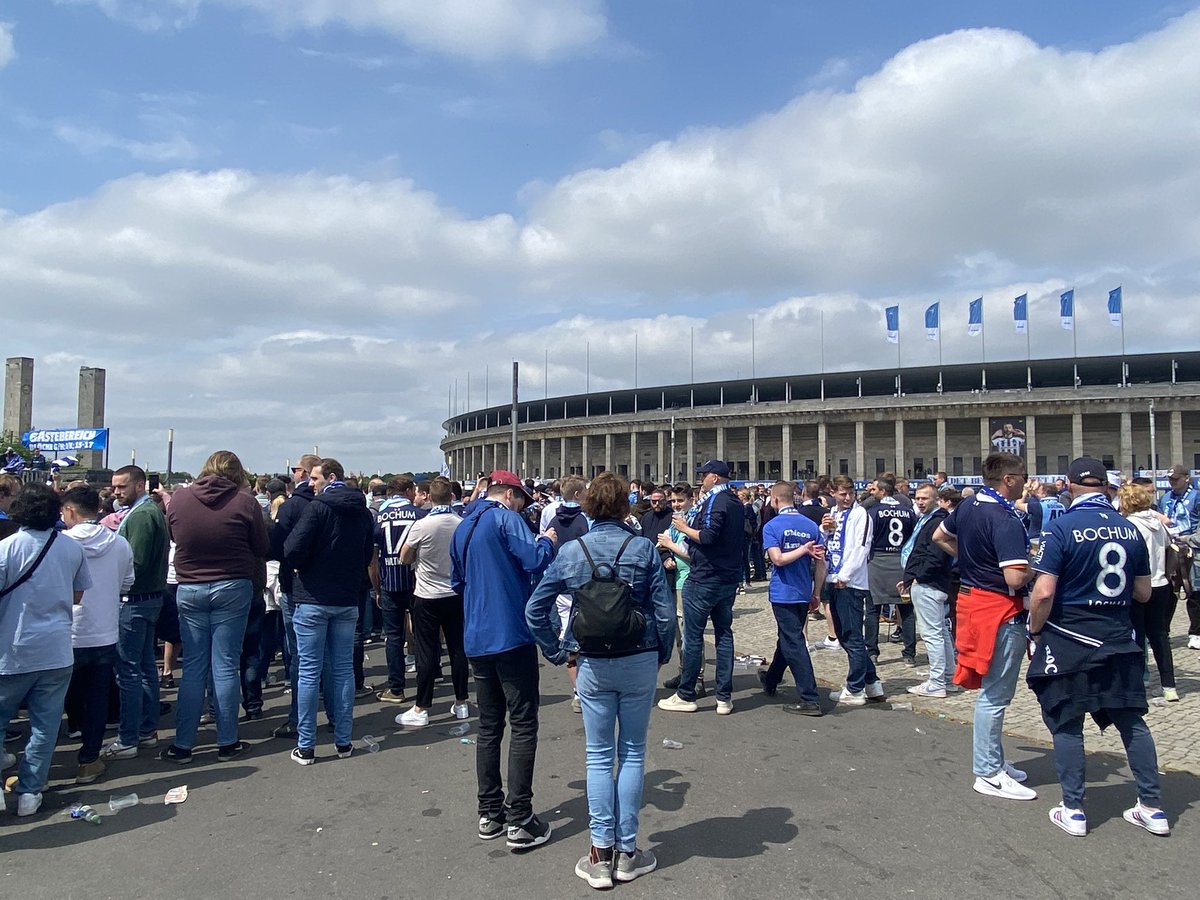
{"x":983,"y":334}
{"x":822,"y":315}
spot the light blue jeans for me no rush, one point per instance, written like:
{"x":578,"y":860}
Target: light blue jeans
{"x":934,"y":621}
{"x":212,"y":623}
{"x":44,"y":693}
{"x":617,"y":696}
{"x":999,"y":686}
{"x":325,"y":634}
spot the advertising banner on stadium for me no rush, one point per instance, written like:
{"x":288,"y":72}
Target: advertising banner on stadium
{"x":1008,"y":435}
{"x":60,"y":440}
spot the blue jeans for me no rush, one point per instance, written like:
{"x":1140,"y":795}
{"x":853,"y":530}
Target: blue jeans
{"x":617,"y":696}
{"x":1069,"y":757}
{"x":325,"y":634}
{"x":288,"y":608}
{"x":212,"y":622}
{"x":932,"y":609}
{"x":999,"y":686}
{"x":43,"y":693}
{"x":137,"y":669}
{"x":847,"y":605}
{"x":704,"y":600}
{"x":252,"y":669}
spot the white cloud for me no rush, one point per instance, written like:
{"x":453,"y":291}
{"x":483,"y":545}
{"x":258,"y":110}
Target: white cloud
{"x":479,"y":30}
{"x":95,"y":140}
{"x":8,"y":51}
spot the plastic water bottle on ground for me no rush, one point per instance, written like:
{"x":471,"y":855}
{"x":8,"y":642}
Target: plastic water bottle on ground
{"x":85,"y":812}
{"x":370,"y":744}
{"x":672,"y":745}
{"x":116,"y":804}
{"x":460,"y":730}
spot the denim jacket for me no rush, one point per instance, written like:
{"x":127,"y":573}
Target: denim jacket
{"x":640,"y":566}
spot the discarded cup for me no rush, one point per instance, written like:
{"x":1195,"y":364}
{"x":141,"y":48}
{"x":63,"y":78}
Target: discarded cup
{"x":370,"y":744}
{"x":116,"y":804}
{"x":672,"y":745}
{"x":901,"y":706}
{"x":462,"y":729}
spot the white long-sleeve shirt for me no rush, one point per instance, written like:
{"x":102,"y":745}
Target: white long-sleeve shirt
{"x":849,"y":548}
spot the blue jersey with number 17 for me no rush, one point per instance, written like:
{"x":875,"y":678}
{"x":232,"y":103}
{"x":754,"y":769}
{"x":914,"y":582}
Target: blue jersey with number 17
{"x":1095,"y":552}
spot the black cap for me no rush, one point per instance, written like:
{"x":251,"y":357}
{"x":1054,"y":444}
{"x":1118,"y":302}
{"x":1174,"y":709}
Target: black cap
{"x":1087,"y":471}
{"x":715,"y":467}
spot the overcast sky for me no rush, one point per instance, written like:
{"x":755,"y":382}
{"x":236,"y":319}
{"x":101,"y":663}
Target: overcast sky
{"x":287,"y":223}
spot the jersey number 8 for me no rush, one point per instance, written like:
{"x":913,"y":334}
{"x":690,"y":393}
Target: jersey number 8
{"x":1111,"y":560}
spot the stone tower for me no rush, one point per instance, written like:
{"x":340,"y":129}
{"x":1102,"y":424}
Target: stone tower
{"x":18,"y":395}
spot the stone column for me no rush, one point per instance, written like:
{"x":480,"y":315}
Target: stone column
{"x":633,"y":457}
{"x":1125,"y":460}
{"x":1176,"y":440}
{"x":752,"y":442}
{"x":1076,"y":435}
{"x":542,"y":459}
{"x":662,"y":456}
{"x":690,"y":465}
{"x":985,"y":439}
{"x":942,"y":464}
{"x":586,"y":464}
{"x":562,"y":457}
{"x":860,"y":449}
{"x":1031,"y":444}
{"x":608,"y":452}
{"x":721,"y":442}
{"x":91,"y":410}
{"x":823,"y":449}
{"x":900,"y":454}
{"x":785,"y":464}
{"x":18,"y":396}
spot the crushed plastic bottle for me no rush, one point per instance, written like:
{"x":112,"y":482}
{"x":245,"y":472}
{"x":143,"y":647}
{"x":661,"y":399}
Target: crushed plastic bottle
{"x":85,"y":812}
{"x":370,"y":744}
{"x":465,"y":741}
{"x":459,"y":730}
{"x":901,"y":706}
{"x":672,"y":745}
{"x":116,"y":804}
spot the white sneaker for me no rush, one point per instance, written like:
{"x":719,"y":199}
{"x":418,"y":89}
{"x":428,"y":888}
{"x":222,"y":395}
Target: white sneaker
{"x":117,"y":750}
{"x":1153,"y":822}
{"x":847,"y":697}
{"x":1002,"y":785}
{"x":925,"y":689}
{"x":875,"y":692}
{"x":28,"y":804}
{"x":724,"y":707}
{"x":1194,"y":641}
{"x":1171,"y":695}
{"x":1072,"y":821}
{"x":675,"y":703}
{"x":828,"y":644}
{"x":413,"y":718}
{"x":1014,"y":773}
{"x":460,"y":711}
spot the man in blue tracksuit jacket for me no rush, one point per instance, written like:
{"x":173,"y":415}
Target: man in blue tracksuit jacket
{"x":715,"y":532}
{"x":494,"y":558}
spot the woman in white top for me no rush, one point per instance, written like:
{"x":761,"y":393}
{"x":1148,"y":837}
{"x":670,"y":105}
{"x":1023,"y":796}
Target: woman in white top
{"x":1152,"y":620}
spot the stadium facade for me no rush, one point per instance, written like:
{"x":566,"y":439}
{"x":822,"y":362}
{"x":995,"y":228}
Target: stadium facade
{"x":912,"y":421}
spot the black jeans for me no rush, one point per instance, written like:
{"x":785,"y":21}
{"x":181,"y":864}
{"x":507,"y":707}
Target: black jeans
{"x":507,"y":683}
{"x":431,"y":616}
{"x":791,"y":650}
{"x":1152,"y":625}
{"x":908,"y":629}
{"x":360,"y":651}
{"x":87,"y":697}
{"x":394,"y":605}
{"x":252,"y":668}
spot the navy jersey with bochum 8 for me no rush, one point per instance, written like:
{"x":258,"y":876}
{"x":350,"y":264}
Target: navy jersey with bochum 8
{"x":891,"y":526}
{"x":1095,"y":552}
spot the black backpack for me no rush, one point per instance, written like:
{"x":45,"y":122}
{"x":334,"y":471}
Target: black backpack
{"x":606,"y":619}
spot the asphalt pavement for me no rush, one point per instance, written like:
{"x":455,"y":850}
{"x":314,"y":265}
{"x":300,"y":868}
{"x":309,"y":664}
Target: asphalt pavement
{"x":862,"y":803}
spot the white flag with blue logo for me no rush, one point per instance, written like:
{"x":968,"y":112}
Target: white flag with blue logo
{"x":975,"y":317}
{"x":892,"y":315}
{"x":1066,"y":309}
{"x":1021,"y":313}
{"x":1114,"y":307}
{"x":932,"y":328}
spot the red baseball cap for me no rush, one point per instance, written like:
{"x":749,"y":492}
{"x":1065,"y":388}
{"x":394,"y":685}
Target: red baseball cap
{"x":509,"y":479}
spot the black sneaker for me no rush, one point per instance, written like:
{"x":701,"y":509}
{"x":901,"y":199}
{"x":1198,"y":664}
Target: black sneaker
{"x":176,"y":755}
{"x":490,"y":829}
{"x":344,"y":750}
{"x":671,"y":683}
{"x":804,"y":708}
{"x":768,"y":689}
{"x":231,"y":751}
{"x":533,"y":833}
{"x":167,"y":682}
{"x":163,"y":707}
{"x":701,"y":690}
{"x":252,"y":716}
{"x":305,"y":756}
{"x":361,"y":692}
{"x":286,"y":730}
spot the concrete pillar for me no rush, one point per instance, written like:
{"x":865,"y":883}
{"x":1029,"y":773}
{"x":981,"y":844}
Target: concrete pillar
{"x":720,"y":442}
{"x":823,"y":464}
{"x":634,"y":470}
{"x":900,"y":454}
{"x":1125,"y":460}
{"x":942,"y":464}
{"x":752,"y":441}
{"x":542,"y":459}
{"x":608,"y":452}
{"x":662,"y":457}
{"x":586,"y":464}
{"x":1031,"y":445}
{"x":18,"y":395}
{"x":1076,"y":435}
{"x":985,"y":439}
{"x":689,"y":466}
{"x":785,"y":464}
{"x":860,"y":449}
{"x":1176,"y":441}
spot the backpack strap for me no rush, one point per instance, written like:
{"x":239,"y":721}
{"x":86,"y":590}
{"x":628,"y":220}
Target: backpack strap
{"x":588,"y":557}
{"x":617,"y":558}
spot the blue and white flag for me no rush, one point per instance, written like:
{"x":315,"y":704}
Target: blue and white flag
{"x":445,"y":470}
{"x":1021,"y":313}
{"x":892,"y":314}
{"x":975,"y":317}
{"x":932,"y":329}
{"x":1114,"y":307}
{"x":1066,"y":309}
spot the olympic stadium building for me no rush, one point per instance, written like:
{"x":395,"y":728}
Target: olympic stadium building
{"x":911,"y":421}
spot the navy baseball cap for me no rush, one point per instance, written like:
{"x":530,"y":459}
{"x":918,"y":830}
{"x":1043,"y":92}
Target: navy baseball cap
{"x":715,"y":467}
{"x":1087,"y":471}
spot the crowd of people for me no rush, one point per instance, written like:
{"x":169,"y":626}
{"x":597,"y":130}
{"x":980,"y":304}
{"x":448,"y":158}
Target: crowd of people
{"x":605,"y":577}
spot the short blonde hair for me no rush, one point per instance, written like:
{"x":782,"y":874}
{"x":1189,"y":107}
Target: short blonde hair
{"x":1134,"y":498}
{"x":225,"y":464}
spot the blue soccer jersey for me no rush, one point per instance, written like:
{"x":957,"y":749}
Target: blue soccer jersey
{"x":1095,"y":553}
{"x":792,"y":583}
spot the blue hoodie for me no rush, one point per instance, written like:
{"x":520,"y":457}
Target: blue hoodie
{"x":495,"y":579}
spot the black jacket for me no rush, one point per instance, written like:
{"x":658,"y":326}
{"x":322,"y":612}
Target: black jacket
{"x":721,"y":523}
{"x":655,"y":523}
{"x":928,"y":563}
{"x":330,"y":548}
{"x":289,"y":514}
